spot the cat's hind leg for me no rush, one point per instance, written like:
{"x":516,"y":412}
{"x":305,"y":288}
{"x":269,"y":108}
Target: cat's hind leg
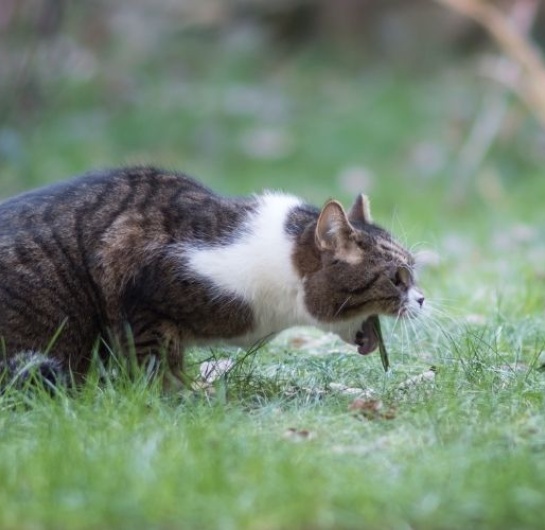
{"x":30,"y":367}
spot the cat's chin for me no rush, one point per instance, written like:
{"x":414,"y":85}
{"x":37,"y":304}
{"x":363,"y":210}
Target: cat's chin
{"x":366,"y":338}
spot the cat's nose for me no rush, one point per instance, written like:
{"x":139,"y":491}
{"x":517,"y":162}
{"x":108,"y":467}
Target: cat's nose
{"x":420,"y":301}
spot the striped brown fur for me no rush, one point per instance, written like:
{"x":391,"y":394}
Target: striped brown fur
{"x":90,"y":262}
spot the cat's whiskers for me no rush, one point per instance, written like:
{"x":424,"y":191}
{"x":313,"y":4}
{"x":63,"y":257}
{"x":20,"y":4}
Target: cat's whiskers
{"x":436,"y":314}
{"x":399,"y":327}
{"x":406,"y":342}
{"x":440,"y":323}
{"x":397,"y":319}
{"x":422,"y":327}
{"x":342,"y":306}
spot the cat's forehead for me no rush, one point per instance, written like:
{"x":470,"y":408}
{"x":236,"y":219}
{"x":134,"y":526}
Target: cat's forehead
{"x":393,"y":252}
{"x":385,"y":245}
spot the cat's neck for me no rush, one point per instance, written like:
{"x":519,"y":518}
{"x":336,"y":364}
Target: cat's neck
{"x":258,"y":267}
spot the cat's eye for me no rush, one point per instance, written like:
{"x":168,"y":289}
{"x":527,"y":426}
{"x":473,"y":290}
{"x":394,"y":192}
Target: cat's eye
{"x":401,"y":277}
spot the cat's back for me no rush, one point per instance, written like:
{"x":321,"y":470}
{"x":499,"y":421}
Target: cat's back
{"x":97,"y":198}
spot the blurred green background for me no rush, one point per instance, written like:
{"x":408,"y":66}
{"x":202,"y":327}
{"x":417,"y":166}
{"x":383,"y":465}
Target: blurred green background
{"x":402,"y":99}
{"x":397,"y":98}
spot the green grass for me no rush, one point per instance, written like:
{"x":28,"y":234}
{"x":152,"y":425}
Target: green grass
{"x":465,"y":451}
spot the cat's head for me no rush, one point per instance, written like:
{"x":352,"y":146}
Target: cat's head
{"x":362,"y":270}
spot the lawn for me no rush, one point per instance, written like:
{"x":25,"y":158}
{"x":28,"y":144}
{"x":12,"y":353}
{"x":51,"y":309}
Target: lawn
{"x":304,"y":433}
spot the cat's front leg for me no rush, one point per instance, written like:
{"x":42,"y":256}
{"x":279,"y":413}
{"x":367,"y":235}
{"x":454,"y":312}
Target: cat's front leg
{"x":158,"y":347}
{"x":173,"y":374}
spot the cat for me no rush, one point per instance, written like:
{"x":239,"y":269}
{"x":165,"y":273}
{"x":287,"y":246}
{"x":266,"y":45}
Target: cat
{"x":149,"y":261}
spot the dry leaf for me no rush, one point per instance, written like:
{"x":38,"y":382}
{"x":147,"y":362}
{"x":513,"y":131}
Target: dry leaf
{"x":371,"y":409}
{"x":298,"y":435}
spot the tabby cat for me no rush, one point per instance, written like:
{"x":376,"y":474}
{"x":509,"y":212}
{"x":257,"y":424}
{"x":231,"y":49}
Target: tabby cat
{"x":151,"y":261}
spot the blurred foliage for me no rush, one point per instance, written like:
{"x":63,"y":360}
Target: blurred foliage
{"x":321,"y":98}
{"x":317,"y":97}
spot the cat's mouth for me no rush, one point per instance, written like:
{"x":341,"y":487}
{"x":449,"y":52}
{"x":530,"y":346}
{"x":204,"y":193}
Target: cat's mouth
{"x":367,"y":339}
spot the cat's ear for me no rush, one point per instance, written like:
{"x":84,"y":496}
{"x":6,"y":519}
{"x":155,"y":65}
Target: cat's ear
{"x":333,"y":228}
{"x":361,"y":210}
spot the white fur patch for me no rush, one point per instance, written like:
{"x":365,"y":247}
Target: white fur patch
{"x":258,"y":268}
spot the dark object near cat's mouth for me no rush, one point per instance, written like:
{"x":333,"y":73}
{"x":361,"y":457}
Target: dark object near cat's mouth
{"x":369,"y":337}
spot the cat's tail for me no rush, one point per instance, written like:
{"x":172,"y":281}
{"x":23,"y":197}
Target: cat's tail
{"x":31,"y":368}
